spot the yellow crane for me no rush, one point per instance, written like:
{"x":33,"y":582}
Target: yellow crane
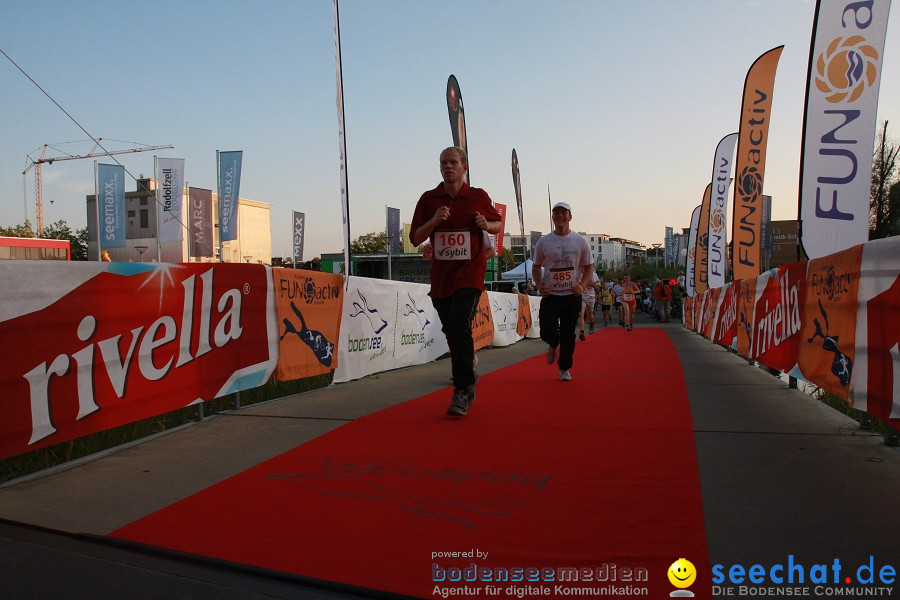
{"x":95,"y":152}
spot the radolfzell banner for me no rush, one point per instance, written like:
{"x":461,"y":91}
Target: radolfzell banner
{"x":111,"y":206}
{"x":309,"y":305}
{"x":392,"y":227}
{"x":229,"y":166}
{"x":839,"y":124}
{"x":718,"y":211}
{"x":164,"y":337}
{"x":750,"y":169}
{"x":701,"y":254}
{"x":501,"y":208}
{"x":505,"y":315}
{"x":169,"y":198}
{"x":200,"y":218}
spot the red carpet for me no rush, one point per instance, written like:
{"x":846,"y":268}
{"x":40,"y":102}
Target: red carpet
{"x":599,"y":473}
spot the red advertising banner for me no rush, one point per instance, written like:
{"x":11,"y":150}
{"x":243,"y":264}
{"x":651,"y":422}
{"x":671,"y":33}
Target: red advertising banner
{"x":875,"y":386}
{"x":727,"y":315}
{"x":483,"y":323}
{"x":746,"y":303}
{"x":501,"y":208}
{"x":309,"y":305}
{"x":827,"y":351}
{"x":113,"y":343}
{"x":778,"y":317}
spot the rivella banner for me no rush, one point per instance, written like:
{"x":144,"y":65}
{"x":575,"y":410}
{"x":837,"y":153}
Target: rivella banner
{"x":111,"y":205}
{"x":839,"y":124}
{"x":750,"y":168}
{"x":169,"y":198}
{"x":164,"y":337}
{"x":718,"y":211}
{"x":229,"y":166}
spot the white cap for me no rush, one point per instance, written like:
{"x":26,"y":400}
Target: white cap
{"x":564,"y":205}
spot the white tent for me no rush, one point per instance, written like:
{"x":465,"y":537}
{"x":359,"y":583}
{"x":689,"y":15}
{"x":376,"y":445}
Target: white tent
{"x":521,"y":272}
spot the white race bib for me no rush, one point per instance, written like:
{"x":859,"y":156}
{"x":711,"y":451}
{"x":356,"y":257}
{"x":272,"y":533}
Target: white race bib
{"x":452,"y":245}
{"x":562,"y":278}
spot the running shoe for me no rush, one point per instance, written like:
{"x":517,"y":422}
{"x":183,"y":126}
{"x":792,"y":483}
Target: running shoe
{"x":581,"y":336}
{"x":565,"y":375}
{"x":460,"y":404}
{"x":551,"y":355}
{"x":592,"y":328}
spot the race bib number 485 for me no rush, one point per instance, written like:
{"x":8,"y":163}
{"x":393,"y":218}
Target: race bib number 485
{"x":453,"y":245}
{"x":562,"y":279}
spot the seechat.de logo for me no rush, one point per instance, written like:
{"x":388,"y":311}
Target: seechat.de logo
{"x":846,"y":68}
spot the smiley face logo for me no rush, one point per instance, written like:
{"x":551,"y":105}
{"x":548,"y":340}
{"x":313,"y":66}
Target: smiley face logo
{"x":682,"y":573}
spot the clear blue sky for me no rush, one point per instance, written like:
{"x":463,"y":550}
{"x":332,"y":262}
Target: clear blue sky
{"x":618,"y":106}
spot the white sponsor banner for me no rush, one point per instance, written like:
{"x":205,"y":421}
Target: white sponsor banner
{"x":839,"y":124}
{"x":691,"y":251}
{"x":879,"y":272}
{"x":505,"y":313}
{"x":535,"y":331}
{"x":386,"y":325}
{"x":717,"y":264}
{"x":169,"y":196}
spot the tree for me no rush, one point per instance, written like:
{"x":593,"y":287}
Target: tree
{"x":370,"y":243}
{"x":77,"y":239}
{"x":21,"y":231}
{"x":883,"y":211}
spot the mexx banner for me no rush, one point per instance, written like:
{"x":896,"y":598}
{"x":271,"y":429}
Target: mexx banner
{"x":839,"y":124}
{"x":111,"y":206}
{"x":756,"y":109}
{"x":457,"y":115}
{"x":309,"y":306}
{"x":169,"y":196}
{"x":689,"y":266}
{"x":718,"y":211}
{"x":200,"y":219}
{"x":701,"y":254}
{"x":229,"y":167}
{"x":517,"y":185}
{"x":299,"y":226}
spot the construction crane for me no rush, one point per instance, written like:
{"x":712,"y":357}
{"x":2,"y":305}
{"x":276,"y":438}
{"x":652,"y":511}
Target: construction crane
{"x":95,"y":152}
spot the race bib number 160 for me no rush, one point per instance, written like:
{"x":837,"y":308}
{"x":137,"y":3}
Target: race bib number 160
{"x":453,"y":245}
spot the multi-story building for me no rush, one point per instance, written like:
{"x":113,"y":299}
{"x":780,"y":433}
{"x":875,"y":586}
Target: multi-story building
{"x":254,"y":243}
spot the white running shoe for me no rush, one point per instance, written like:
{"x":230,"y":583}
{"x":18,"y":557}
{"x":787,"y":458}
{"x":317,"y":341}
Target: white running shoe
{"x":551,"y":355}
{"x":565,"y":376}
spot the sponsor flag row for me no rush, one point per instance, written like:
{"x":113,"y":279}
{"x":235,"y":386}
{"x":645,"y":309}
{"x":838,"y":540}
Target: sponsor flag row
{"x":833,"y":321}
{"x":166,"y":336}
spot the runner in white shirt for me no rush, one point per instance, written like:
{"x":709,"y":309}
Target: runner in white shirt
{"x":588,"y":298}
{"x":567,"y":258}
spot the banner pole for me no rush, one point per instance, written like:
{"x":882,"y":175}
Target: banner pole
{"x":97,"y":204}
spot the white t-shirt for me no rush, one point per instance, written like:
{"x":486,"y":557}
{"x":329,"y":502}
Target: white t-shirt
{"x":562,"y":257}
